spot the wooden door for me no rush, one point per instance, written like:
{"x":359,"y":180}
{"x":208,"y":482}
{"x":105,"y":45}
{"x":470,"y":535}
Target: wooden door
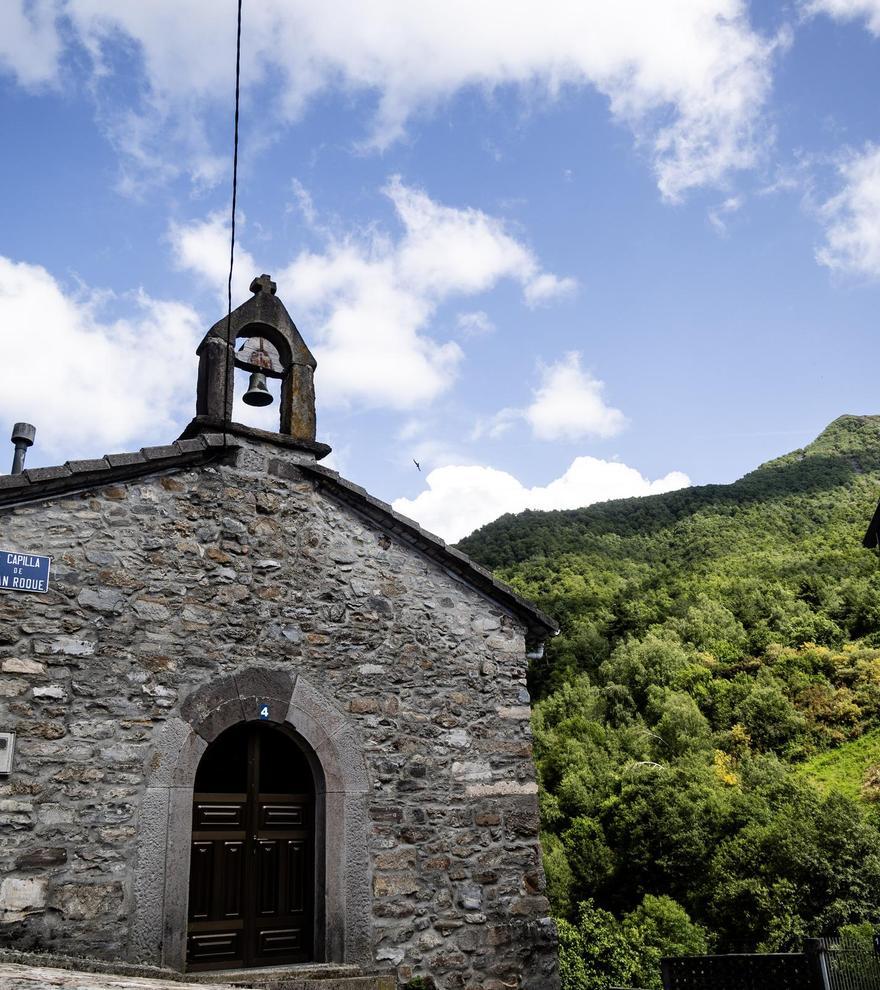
{"x":251,"y":887}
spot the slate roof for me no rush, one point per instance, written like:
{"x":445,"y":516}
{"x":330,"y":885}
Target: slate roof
{"x":38,"y":484}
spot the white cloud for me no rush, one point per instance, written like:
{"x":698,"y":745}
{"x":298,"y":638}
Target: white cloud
{"x":368,"y":298}
{"x":497,"y":425}
{"x":475,"y":324}
{"x":852,"y":218}
{"x":462,"y":250}
{"x":89,"y":382}
{"x":848,"y":10}
{"x":547,"y":288}
{"x":718,"y":214}
{"x":29,"y":40}
{"x":369,"y":327}
{"x":306,"y":205}
{"x":568,"y":404}
{"x":460,"y":499}
{"x":203,"y":247}
{"x":689,"y":78}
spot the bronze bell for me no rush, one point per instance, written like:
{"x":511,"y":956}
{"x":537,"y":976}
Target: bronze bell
{"x":257,"y":393}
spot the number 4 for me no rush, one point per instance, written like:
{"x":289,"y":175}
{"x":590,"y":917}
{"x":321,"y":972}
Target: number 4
{"x":264,"y":711}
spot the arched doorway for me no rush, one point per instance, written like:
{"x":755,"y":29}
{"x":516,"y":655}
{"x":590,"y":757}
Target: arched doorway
{"x":252,"y":862}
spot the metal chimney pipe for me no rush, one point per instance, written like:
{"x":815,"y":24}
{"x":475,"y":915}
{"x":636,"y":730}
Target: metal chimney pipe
{"x":23,"y":437}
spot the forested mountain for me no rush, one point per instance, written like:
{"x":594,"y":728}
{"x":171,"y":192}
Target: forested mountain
{"x":705,"y":722}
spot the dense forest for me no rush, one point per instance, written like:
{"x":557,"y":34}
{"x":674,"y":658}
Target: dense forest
{"x":707,"y":724}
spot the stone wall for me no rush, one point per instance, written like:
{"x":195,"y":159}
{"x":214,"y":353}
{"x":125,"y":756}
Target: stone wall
{"x":164,"y":584}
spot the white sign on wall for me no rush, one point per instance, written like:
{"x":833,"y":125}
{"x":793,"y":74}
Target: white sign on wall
{"x":7,"y":747}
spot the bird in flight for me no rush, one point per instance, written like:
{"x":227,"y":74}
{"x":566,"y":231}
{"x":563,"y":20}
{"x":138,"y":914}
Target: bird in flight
{"x":419,"y":466}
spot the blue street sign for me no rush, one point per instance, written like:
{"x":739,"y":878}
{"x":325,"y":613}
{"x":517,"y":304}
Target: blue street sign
{"x":264,"y":712}
{"x":23,"y":571}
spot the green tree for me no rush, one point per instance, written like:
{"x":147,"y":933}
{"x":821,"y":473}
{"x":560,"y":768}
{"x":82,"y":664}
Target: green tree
{"x":590,"y":859}
{"x":560,"y":878}
{"x":661,"y":927}
{"x":596,"y":952}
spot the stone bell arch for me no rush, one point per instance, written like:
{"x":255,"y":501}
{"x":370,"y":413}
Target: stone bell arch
{"x":264,"y":319}
{"x":161,"y":879}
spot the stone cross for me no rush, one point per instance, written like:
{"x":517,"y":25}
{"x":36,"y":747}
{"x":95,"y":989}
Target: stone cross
{"x":264,"y":284}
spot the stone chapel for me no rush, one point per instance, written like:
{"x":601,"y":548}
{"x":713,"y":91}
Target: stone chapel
{"x":259,"y":719}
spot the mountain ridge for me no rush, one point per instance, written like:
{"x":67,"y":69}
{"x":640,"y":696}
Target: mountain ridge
{"x":850,"y":445}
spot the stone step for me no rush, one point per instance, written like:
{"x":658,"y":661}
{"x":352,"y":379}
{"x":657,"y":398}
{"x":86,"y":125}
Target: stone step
{"x":25,"y":976}
{"x":310,"y":976}
{"x":322,"y":983}
{"x":42,"y":971}
{"x":301,"y":971}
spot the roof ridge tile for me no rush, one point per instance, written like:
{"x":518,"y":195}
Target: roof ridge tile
{"x":123,"y":460}
{"x":160,"y":453}
{"x":47,"y":473}
{"x":96,"y":464}
{"x":14,"y":481}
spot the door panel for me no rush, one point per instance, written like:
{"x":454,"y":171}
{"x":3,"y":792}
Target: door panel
{"x":211,"y":951}
{"x":211,"y":816}
{"x":201,"y":870}
{"x":282,"y":816}
{"x":252,"y":856}
{"x":274,"y":942}
{"x":217,"y":881}
{"x":283,"y":924}
{"x":296,"y":868}
{"x":232,"y":873}
{"x":267,"y":877}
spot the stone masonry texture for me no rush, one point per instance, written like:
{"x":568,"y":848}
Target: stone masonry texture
{"x":18,"y":977}
{"x":170,"y":582}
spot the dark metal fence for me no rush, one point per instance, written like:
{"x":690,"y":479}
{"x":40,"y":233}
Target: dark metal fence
{"x":758,"y":971}
{"x":850,"y":965}
{"x":825,"y":964}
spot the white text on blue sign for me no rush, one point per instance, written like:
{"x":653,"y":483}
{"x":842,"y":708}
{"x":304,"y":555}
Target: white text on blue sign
{"x":24,"y":571}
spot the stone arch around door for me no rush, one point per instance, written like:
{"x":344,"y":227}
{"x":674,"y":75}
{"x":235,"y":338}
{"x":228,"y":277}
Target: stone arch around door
{"x":161,"y":878}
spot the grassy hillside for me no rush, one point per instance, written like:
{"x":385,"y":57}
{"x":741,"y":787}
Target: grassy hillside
{"x":706,"y":718}
{"x":845,"y":767}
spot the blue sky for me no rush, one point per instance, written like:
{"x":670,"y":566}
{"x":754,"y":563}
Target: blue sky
{"x":555,"y":253}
